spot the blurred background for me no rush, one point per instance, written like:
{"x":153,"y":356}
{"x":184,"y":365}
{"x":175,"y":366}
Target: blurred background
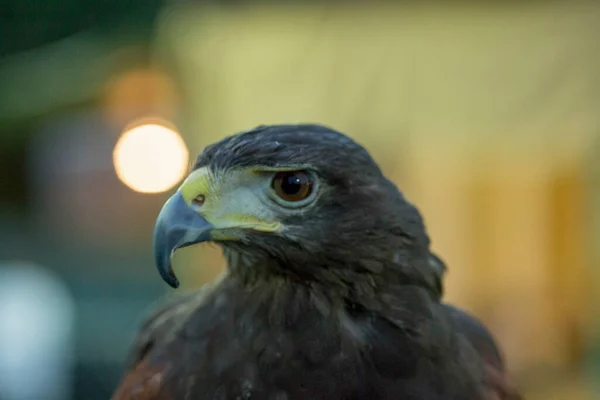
{"x":486,"y":114}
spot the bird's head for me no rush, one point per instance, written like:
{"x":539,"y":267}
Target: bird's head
{"x":294,"y":199}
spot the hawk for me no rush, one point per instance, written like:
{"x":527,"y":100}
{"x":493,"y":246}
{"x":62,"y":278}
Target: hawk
{"x":331,"y":290}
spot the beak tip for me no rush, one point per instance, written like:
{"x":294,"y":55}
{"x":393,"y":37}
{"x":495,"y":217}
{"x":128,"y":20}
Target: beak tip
{"x":169,"y":277}
{"x":173,"y":282}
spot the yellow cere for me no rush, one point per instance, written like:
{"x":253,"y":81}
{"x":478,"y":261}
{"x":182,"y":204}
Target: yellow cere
{"x":197,"y":183}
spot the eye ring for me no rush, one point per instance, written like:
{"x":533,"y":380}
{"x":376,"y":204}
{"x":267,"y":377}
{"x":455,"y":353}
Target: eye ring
{"x":293,"y":188}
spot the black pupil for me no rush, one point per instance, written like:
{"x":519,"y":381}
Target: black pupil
{"x":292,"y":183}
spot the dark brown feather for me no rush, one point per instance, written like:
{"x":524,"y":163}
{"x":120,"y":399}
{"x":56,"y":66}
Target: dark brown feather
{"x":482,"y":340}
{"x":276,"y":341}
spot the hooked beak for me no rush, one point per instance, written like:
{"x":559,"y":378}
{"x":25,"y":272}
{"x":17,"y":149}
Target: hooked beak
{"x":177,"y":226}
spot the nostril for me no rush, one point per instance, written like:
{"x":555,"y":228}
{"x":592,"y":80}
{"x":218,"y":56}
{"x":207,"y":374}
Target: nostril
{"x":199,"y":200}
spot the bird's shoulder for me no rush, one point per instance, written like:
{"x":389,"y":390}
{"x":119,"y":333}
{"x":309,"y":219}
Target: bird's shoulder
{"x":149,"y":359}
{"x":482,"y":340}
{"x":414,"y":329}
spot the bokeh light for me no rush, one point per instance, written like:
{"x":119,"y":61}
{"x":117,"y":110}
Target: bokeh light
{"x":150,"y":158}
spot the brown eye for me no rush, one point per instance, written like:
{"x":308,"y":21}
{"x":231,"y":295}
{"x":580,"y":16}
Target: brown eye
{"x":293,"y":186}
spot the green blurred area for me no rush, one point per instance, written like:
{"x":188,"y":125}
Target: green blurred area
{"x":484,"y":114}
{"x":57,"y":54}
{"x":31,"y":24}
